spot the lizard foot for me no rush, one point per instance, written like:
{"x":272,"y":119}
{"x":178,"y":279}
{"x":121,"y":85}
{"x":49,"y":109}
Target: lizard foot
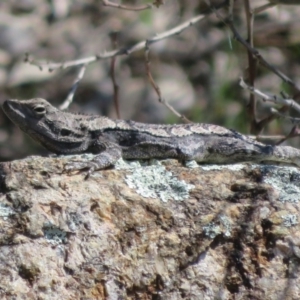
{"x":79,"y":166}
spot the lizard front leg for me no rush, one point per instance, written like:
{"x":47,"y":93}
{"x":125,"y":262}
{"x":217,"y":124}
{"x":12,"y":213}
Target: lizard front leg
{"x":109,"y":154}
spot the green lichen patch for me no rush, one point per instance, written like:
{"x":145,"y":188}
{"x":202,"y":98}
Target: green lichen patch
{"x":156,"y":182}
{"x":122,"y":164}
{"x":232,"y":167}
{"x":6,"y":211}
{"x":284,"y":179}
{"x":222,"y":226}
{"x":54,"y":234}
{"x":290,"y":220}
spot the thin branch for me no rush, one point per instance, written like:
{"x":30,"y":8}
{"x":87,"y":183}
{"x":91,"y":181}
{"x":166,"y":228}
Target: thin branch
{"x":260,"y":125}
{"x":122,"y":51}
{"x":113,"y":77}
{"x":176,"y":30}
{"x":230,"y":10}
{"x":70,"y":96}
{"x":157,"y":89}
{"x":267,"y":139}
{"x":274,"y":3}
{"x":126,"y":50}
{"x":255,"y":52}
{"x":263,"y":8}
{"x":276,"y":139}
{"x":295,"y":132}
{"x":270,"y":98}
{"x":252,"y":63}
{"x":64,"y":65}
{"x":261,"y":60}
{"x":125,"y":7}
{"x":293,"y":120}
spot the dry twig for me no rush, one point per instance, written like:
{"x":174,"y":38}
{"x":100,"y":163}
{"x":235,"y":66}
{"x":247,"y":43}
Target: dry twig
{"x":295,"y":131}
{"x":270,"y":98}
{"x":70,"y":96}
{"x":276,"y":113}
{"x":293,"y":120}
{"x":157,"y":89}
{"x":125,"y":51}
{"x":267,"y":139}
{"x":113,"y":76}
{"x":255,"y":52}
{"x":122,"y":51}
{"x":252,"y":64}
{"x":273,"y":3}
{"x":125,"y":7}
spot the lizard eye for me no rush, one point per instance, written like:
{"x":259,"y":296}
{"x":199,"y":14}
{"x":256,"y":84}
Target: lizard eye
{"x":39,"y":109}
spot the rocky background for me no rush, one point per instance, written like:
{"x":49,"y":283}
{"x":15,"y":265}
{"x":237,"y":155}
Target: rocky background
{"x":157,"y":231}
{"x":197,"y":71}
{"x":149,"y":230}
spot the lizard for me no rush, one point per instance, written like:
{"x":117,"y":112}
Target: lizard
{"x":69,"y":133}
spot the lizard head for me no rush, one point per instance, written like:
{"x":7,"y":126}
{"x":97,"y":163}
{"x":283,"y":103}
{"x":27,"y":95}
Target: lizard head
{"x":18,"y":110}
{"x":27,"y":113}
{"x":58,"y":131}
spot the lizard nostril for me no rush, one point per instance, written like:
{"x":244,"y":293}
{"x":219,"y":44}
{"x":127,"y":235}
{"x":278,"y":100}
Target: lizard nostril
{"x":65,"y":132}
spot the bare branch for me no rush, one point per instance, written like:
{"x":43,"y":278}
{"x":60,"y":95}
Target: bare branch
{"x":263,"y":8}
{"x":70,"y":96}
{"x":125,"y":7}
{"x":113,"y":76}
{"x":230,"y":10}
{"x":122,"y":51}
{"x":260,"y":125}
{"x":285,"y":2}
{"x":252,"y":64}
{"x":295,"y":132}
{"x":72,"y":63}
{"x":270,"y":98}
{"x":274,"y":3}
{"x":176,"y":30}
{"x":293,"y":120}
{"x":157,"y":89}
{"x":267,"y":139}
{"x":256,"y":53}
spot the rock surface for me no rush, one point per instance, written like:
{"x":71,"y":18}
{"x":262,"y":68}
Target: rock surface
{"x":159,"y":230}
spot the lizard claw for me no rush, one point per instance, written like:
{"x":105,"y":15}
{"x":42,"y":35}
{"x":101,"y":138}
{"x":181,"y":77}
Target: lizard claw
{"x":75,"y":166}
{"x":78,"y":166}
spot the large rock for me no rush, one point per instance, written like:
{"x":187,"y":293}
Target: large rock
{"x":156,"y":231}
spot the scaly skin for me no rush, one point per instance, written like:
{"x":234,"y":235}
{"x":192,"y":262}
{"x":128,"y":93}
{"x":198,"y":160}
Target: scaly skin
{"x":67,"y":133}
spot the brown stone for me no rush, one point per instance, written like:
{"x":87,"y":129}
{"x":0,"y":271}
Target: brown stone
{"x":211,"y":232}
